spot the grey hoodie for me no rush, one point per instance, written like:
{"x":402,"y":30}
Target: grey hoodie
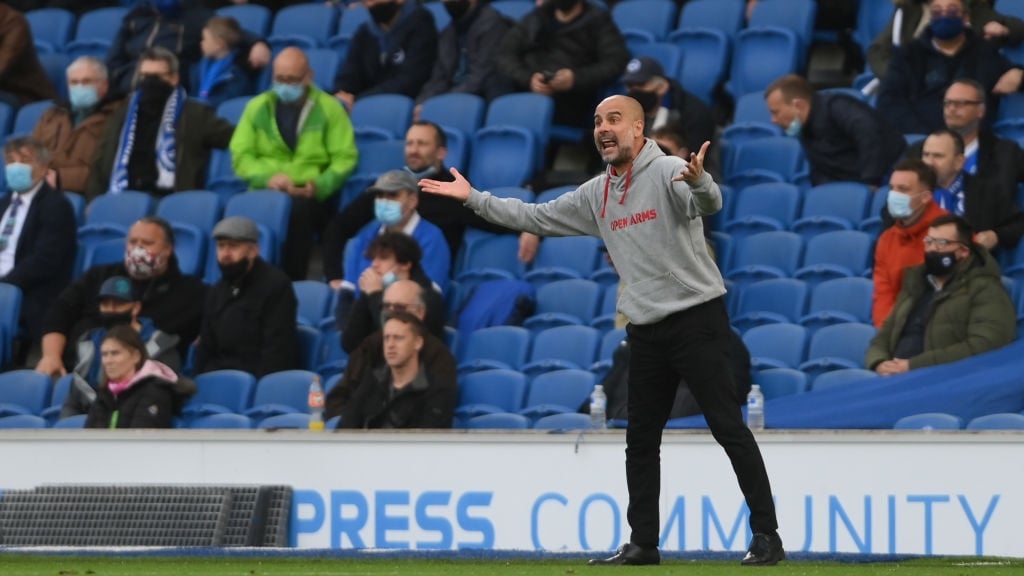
{"x":651,"y":226}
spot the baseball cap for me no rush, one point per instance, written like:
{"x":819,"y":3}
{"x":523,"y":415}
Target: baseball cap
{"x":118,"y":288}
{"x":237,"y":228}
{"x":641,"y":70}
{"x":394,"y":181}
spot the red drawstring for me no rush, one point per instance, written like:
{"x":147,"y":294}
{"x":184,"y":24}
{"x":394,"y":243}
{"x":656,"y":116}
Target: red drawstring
{"x":607,"y":183}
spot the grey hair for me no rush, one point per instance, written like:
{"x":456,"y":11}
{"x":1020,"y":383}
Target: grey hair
{"x":39,"y":150}
{"x":96,"y":63}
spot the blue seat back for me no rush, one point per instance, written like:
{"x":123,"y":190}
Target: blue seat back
{"x":251,"y":17}
{"x":783,"y":343}
{"x":504,"y":389}
{"x":463,"y":112}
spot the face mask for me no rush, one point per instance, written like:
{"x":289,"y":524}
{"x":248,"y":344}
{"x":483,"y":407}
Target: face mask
{"x":457,"y":8}
{"x":141,"y":263}
{"x":289,"y":93}
{"x":899,"y":204}
{"x":167,"y":7}
{"x":110,"y":319}
{"x":422,"y":173}
{"x":234,"y":271}
{"x":939,"y":263}
{"x":384,"y":13}
{"x":565,"y":5}
{"x":83,"y":97}
{"x":794,"y":128}
{"x":389,"y":212}
{"x":947,"y":27}
{"x":153,"y":92}
{"x":388,"y":279}
{"x":19,"y":176}
{"x":648,"y":100}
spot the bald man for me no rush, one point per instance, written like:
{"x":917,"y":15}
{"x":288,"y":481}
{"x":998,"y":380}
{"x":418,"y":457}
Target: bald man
{"x":647,"y":208}
{"x":297,"y":139}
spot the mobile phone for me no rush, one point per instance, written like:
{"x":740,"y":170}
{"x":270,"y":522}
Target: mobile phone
{"x":548,"y":75}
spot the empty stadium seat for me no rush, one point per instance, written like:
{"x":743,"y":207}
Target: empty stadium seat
{"x":22,"y":421}
{"x":270,"y":210}
{"x":564,"y":303}
{"x":705,"y":53}
{"x":495,"y":257}
{"x":94,"y":30}
{"x":566,"y":421}
{"x":654,"y":16}
{"x":283,"y":392}
{"x":776,"y":382}
{"x":779,"y":300}
{"x":558,"y":392}
{"x":561,"y":258}
{"x":1002,"y":421}
{"x":840,"y":378}
{"x":499,"y":421}
{"x":352,"y":17}
{"x":533,"y":112}
{"x":728,"y":17}
{"x":57,"y":397}
{"x":220,"y":392}
{"x":838,"y":346}
{"x":776,"y":159}
{"x":105,"y":252}
{"x":929,"y":421}
{"x":382,"y":116}
{"x":24,"y":392}
{"x":117,"y":211}
{"x":324,"y":63}
{"x":251,"y":17}
{"x":313,"y":297}
{"x":496,"y":347}
{"x":831,"y":207}
{"x":304,"y":25}
{"x":514,"y":9}
{"x":72,"y":422}
{"x":763,"y":208}
{"x":51,"y":28}
{"x":839,"y":300}
{"x":844,"y":253}
{"x":10,"y":311}
{"x":490,"y":392}
{"x":563,"y":347}
{"x":776,"y":345}
{"x":766,"y":255}
{"x":294,"y":421}
{"x":794,"y":15}
{"x":463,"y":112}
{"x":872,"y":17}
{"x":761,"y":55}
{"x":221,"y":422}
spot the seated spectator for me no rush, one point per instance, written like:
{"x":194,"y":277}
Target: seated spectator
{"x":159,"y":141}
{"x":297,"y":139}
{"x":219,"y":76}
{"x":844,"y":139}
{"x":118,"y":306}
{"x":901,"y":246}
{"x":135,"y":391}
{"x":72,"y":130}
{"x":914,"y":19}
{"x":396,"y":198}
{"x":393,"y":53}
{"x":426,"y":148}
{"x":567,"y":49}
{"x":273,"y":5}
{"x":170,"y":299}
{"x":671,"y":138}
{"x":912,"y":91}
{"x":22,"y":77}
{"x":465,"y":53}
{"x":176,"y":26}
{"x":666,"y":102}
{"x":434,"y":357}
{"x":394,"y":256}
{"x":37,"y":236}
{"x":249,"y":316}
{"x":402,"y":393}
{"x":952,"y":307}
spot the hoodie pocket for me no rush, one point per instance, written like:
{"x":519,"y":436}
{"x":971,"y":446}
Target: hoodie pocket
{"x":642,"y":300}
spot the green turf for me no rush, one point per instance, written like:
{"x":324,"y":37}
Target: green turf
{"x":24,"y":565}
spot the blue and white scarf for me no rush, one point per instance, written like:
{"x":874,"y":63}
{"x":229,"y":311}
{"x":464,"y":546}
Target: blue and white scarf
{"x":951,"y":199}
{"x":166,"y":150}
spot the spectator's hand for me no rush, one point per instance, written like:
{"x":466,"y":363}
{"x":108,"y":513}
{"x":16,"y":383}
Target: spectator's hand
{"x":528,"y":244}
{"x":988,"y":238}
{"x":1009,"y":82}
{"x":563,"y":81}
{"x":750,"y":8}
{"x":51,"y":366}
{"x":279,"y":182}
{"x":259,"y":55}
{"x":307,"y":190}
{"x":370,"y":282}
{"x":894,"y":366}
{"x":51,"y":178}
{"x":695,"y":167}
{"x":347,"y":98}
{"x":416,"y":112}
{"x":239,"y":1}
{"x":538,"y":85}
{"x":459,"y":189}
{"x":994,"y":30}
{"x":335,"y":284}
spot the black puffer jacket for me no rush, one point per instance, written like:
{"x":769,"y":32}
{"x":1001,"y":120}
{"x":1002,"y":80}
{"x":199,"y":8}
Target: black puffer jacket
{"x":151,"y":402}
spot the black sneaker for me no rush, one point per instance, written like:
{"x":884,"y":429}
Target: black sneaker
{"x":630,"y":555}
{"x":765,"y":550}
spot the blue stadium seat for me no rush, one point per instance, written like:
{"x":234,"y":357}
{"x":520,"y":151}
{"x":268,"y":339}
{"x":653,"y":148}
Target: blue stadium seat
{"x":779,"y":300}
{"x":232,"y":109}
{"x":269,"y":209}
{"x":561,"y":258}
{"x":723,"y":245}
{"x":844,"y":253}
{"x":72,"y":422}
{"x":51,"y":27}
{"x":872,"y":18}
{"x":499,"y":421}
{"x":751,"y":121}
{"x":305,"y":25}
{"x":718,"y":219}
{"x":117,"y":211}
{"x":1001,"y":421}
{"x":514,"y":9}
{"x":496,"y":347}
{"x":310,"y":350}
{"x":552,"y":193}
{"x":382,"y":116}
{"x":776,"y":382}
{"x":103,"y":252}
{"x":605,"y":319}
{"x":314,"y":298}
{"x":929,"y":421}
{"x":251,"y":17}
{"x":221,"y":422}
{"x":283,"y":392}
{"x":836,"y":347}
{"x":199,"y":208}
{"x":1011,"y":106}
{"x":463,"y":112}
{"x":654,"y":16}
{"x":490,"y":392}
{"x":796,"y":16}
{"x":705,"y":63}
{"x":534,"y":112}
{"x":762,"y":55}
{"x":872,"y":224}
{"x":838,"y":301}
{"x":28,"y":116}
{"x":6,"y":117}
{"x":285,"y":422}
{"x":564,"y":303}
{"x":333,"y":358}
{"x":830,"y":207}
{"x":728,"y":17}
{"x":220,"y":392}
{"x":840,"y":378}
{"x":668,"y":55}
{"x":492,"y":258}
{"x":352,"y":18}
{"x":77,"y":206}
{"x":766,"y":255}
{"x":324,"y":63}
{"x":564,"y":347}
{"x":763,"y":208}
{"x":776,"y":345}
{"x":221,"y":178}
{"x":24,"y":392}
{"x":60,"y":393}
{"x":567,"y":421}
{"x":777,"y":159}
{"x":503,"y":156}
{"x":558,"y":392}
{"x":610,"y":342}
{"x":22,"y":421}
{"x":94,"y":31}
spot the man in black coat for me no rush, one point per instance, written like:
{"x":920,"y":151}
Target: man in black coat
{"x":844,"y":139}
{"x":249,"y":317}
{"x":172,"y":300}
{"x":37,"y":235}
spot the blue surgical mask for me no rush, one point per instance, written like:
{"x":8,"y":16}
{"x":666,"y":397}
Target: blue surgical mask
{"x":389,"y":212}
{"x":83,"y":97}
{"x":289,"y":93}
{"x":794,"y":128}
{"x":388,"y":279}
{"x":19,"y":176}
{"x":947,"y":27}
{"x":899,"y":204}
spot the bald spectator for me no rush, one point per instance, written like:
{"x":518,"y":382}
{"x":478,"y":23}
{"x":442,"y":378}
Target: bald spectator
{"x":22,"y":77}
{"x":297,"y":139}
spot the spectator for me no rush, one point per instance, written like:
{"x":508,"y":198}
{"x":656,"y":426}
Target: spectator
{"x":175,"y":25}
{"x":37,"y":235}
{"x":666,"y":102}
{"x":22,"y":77}
{"x":118,"y":305}
{"x":913,"y":88}
{"x":434,"y":357}
{"x":401,"y":393}
{"x":567,"y":49}
{"x":952,"y":307}
{"x":170,"y":299}
{"x":159,"y":141}
{"x":394,"y":256}
{"x":297,"y":139}
{"x":844,"y":139}
{"x":425,"y":153}
{"x":249,"y":317}
{"x":273,"y":5}
{"x":391,"y":54}
{"x":72,"y":130}
{"x":914,"y":19}
{"x":911,"y":185}
{"x":672,"y":140}
{"x":396,"y":197}
{"x":465,"y":53}
{"x":135,"y":392}
{"x":219,"y":76}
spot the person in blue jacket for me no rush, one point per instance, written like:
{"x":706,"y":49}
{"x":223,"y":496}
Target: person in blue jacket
{"x":219,"y":77}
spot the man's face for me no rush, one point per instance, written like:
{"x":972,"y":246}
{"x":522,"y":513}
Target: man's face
{"x":115,"y":306}
{"x":211,"y":45}
{"x":27,"y":156}
{"x":962,"y":108}
{"x":943,"y":239}
{"x":615,"y":133}
{"x":234,"y":251}
{"x":402,"y":297}
{"x":783,"y":113}
{"x":939,"y":152}
{"x":939,"y":8}
{"x":85,"y":74}
{"x":157,"y":68}
{"x":291,"y":68}
{"x":150,"y":237}
{"x":407,"y":200}
{"x":401,"y":344}
{"x":907,"y":182}
{"x":421,"y":149}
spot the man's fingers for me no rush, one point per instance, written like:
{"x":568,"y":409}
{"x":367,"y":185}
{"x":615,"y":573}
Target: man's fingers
{"x":455,"y":172}
{"x":704,"y":149}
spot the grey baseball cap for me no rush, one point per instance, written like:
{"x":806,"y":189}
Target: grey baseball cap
{"x":395,"y":181}
{"x":237,"y":228}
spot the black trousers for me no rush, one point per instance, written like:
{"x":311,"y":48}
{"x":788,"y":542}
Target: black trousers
{"x":691,"y":344}
{"x":307,"y":220}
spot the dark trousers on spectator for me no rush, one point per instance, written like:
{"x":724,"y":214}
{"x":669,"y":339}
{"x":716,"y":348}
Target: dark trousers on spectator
{"x":693,"y":345}
{"x":307,"y":220}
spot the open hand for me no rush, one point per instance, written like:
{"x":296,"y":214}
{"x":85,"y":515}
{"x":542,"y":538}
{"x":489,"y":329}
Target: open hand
{"x":694,"y":169}
{"x":459,"y":189}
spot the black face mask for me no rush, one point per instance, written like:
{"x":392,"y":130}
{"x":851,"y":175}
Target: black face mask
{"x":110,"y":319}
{"x":565,"y":5}
{"x":385,"y":12}
{"x":648,"y":100}
{"x":235,"y":271}
{"x":456,"y":8}
{"x":939,"y":264}
{"x":154,"y":92}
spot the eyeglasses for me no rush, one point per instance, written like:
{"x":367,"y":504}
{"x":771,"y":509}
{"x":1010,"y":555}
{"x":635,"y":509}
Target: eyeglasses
{"x":939,"y":243}
{"x":398,"y":307}
{"x":960,"y":103}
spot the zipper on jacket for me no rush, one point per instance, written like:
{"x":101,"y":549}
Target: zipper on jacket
{"x":113,"y":419}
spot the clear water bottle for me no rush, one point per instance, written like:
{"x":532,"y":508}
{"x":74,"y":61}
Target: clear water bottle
{"x":316,"y":405}
{"x":598,"y":408}
{"x":755,"y":408}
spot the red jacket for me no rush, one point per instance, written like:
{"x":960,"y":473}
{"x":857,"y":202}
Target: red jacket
{"x":898,"y":247}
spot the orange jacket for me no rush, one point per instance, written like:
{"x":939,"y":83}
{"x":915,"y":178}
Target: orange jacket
{"x":898,"y":247}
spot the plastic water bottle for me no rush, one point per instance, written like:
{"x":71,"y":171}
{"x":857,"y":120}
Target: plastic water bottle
{"x":755,"y":408}
{"x":316,"y":405}
{"x":598,"y":407}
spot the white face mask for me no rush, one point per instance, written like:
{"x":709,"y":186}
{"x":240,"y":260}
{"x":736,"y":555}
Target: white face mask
{"x":899,"y":204}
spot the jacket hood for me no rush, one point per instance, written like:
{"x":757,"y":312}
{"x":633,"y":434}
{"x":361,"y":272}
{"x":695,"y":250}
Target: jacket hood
{"x":154,"y":368}
{"x":617,"y":182}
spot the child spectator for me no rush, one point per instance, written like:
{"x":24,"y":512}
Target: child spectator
{"x":218,"y":76}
